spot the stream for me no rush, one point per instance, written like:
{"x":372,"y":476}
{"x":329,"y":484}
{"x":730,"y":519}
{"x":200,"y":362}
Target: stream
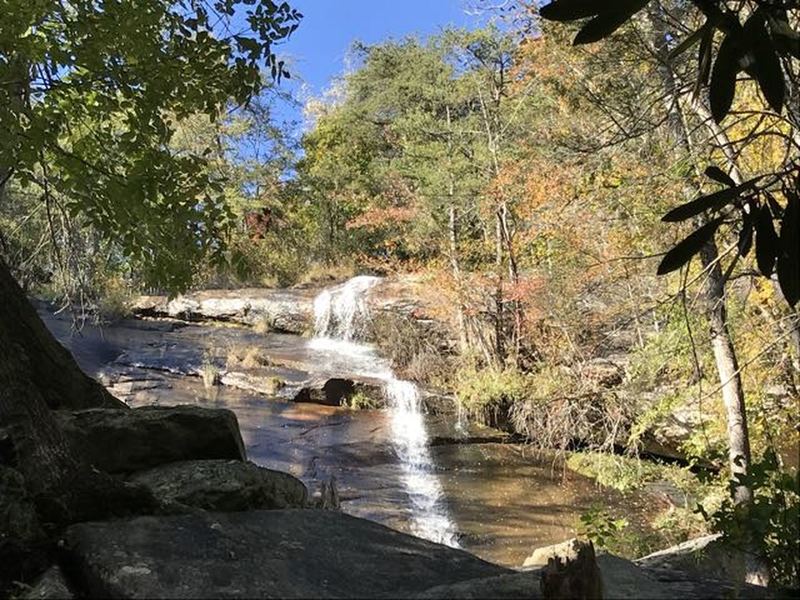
{"x":422,"y":473}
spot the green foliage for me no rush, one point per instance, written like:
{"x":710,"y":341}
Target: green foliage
{"x":484,"y":393}
{"x":771,"y":524}
{"x":362,"y":401}
{"x":756,"y":37}
{"x":600,"y":527}
{"x":88,"y":115}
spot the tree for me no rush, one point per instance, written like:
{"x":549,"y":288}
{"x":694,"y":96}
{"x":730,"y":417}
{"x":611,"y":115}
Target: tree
{"x":763,"y":46}
{"x":87,"y":113}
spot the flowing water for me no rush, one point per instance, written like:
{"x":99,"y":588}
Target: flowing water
{"x":411,"y":471}
{"x":341,"y":318}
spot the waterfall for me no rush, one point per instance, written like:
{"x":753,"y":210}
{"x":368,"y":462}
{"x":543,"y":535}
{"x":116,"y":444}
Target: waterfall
{"x":341,"y":315}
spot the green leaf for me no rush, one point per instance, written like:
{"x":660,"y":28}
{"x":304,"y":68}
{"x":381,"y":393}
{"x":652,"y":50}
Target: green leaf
{"x":745,"y":242}
{"x":606,"y":23}
{"x":570,"y":10}
{"x":713,"y":201}
{"x":720,"y":176}
{"x":767,"y":68}
{"x":723,"y":76}
{"x":685,"y":250}
{"x":689,"y":41}
{"x":789,"y":258}
{"x":767,"y":244}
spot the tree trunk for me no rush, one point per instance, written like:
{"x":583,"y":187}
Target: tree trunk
{"x":37,"y":375}
{"x":716,"y":312}
{"x":728,"y":370}
{"x":51,"y":368}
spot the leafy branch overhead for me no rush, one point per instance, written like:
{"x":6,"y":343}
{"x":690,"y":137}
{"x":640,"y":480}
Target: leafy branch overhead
{"x":756,"y":39}
{"x":88,"y":115}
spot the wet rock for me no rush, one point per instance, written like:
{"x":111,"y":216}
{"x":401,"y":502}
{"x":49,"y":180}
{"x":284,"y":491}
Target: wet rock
{"x":288,"y":311}
{"x":284,"y":554}
{"x":223,"y":485}
{"x":337,"y":392}
{"x":133,"y":440}
{"x":50,"y":586}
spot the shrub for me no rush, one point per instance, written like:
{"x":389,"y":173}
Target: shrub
{"x":771,"y":525}
{"x":247,"y":357}
{"x":361,"y":401}
{"x":209,"y":372}
{"x":486,"y":394}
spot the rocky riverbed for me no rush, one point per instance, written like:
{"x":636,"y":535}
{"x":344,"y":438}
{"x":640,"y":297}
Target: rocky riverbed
{"x":208,"y":396}
{"x":504,"y":498}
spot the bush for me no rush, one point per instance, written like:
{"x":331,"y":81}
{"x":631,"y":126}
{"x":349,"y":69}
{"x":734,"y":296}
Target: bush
{"x":771,"y":525}
{"x":361,"y":401}
{"x":413,"y":351}
{"x":487,"y":394}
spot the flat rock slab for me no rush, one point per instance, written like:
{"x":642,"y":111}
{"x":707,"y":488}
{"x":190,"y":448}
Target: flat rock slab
{"x":223,"y":485}
{"x":123,"y":441}
{"x":286,"y":310}
{"x":262,"y":554}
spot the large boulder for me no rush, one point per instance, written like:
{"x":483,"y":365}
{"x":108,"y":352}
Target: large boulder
{"x":223,"y":485}
{"x":123,"y":441}
{"x":260,"y":554}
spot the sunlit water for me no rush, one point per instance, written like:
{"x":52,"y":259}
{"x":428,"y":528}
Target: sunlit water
{"x":341,"y":318}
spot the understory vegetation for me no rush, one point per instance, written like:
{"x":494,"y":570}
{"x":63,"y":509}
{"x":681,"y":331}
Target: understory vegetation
{"x":521,"y":182}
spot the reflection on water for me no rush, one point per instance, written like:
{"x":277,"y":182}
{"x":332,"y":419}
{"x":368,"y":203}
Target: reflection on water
{"x":505,"y":503}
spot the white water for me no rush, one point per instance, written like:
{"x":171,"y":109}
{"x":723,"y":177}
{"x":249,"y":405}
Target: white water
{"x":341,"y":317}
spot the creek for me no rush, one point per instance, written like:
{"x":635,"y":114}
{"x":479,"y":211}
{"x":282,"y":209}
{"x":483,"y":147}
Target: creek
{"x":403,"y":466}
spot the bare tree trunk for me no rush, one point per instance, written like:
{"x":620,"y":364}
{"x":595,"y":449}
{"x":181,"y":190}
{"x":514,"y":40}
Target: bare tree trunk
{"x":463,"y":338}
{"x":728,"y":370}
{"x":716,"y":312}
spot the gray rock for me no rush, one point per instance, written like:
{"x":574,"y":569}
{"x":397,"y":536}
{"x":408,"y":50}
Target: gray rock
{"x":281,"y":553}
{"x":223,"y":485}
{"x":511,"y":586}
{"x":576,"y":576}
{"x":707,"y":556}
{"x":123,"y":441}
{"x":50,"y":586}
{"x":288,"y":311}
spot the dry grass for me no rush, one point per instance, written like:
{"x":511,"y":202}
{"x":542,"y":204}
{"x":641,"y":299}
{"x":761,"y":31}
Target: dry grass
{"x":263,"y":325}
{"x":247,"y":357}
{"x":209,"y":372}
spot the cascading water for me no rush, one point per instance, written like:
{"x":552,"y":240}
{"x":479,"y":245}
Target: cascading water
{"x":341,"y":315}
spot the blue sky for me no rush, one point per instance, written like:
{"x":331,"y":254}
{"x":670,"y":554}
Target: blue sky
{"x":316,"y":52}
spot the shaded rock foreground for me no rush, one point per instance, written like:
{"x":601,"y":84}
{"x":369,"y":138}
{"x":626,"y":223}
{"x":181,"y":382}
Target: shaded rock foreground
{"x":317,"y":554}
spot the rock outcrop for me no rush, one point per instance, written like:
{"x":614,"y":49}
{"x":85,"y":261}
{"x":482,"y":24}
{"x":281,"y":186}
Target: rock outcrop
{"x":284,"y":310}
{"x":565,"y":551}
{"x":261,"y":554}
{"x":52,"y":585}
{"x":124,"y":441}
{"x":223,"y":485}
{"x":707,"y":556}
